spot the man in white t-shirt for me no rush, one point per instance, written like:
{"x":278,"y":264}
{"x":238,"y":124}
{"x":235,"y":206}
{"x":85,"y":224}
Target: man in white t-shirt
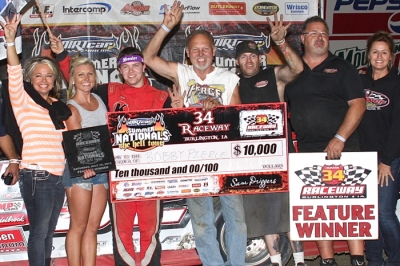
{"x":206,"y":86}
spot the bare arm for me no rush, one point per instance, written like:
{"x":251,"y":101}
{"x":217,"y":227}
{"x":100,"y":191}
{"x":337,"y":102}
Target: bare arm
{"x":74,"y":121}
{"x":8,"y":148}
{"x":162,"y":67}
{"x":235,"y":99}
{"x":350,"y":123}
{"x":294,"y":66}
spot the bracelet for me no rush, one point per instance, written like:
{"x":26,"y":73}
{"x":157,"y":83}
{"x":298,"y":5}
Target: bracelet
{"x":15,"y":161}
{"x":165,"y":28}
{"x":281,"y":42}
{"x":340,"y":137}
{"x":6,"y":44}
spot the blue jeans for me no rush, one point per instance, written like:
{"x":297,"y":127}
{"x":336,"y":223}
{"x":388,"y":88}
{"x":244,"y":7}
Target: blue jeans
{"x":205,"y":233}
{"x":389,"y":226}
{"x":98,"y":179}
{"x":43,"y":195}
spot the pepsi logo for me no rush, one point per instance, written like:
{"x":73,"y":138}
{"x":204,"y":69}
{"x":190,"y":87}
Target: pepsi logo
{"x":394,"y":23}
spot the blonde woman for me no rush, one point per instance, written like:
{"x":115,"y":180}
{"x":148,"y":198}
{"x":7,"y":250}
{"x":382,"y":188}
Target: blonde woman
{"x":87,"y":195}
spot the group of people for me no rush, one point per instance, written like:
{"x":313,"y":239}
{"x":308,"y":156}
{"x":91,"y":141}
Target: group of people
{"x":332,"y":109}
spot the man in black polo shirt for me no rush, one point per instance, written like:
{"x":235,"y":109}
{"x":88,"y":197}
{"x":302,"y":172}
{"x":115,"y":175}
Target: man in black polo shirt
{"x":268,"y":214}
{"x":326,"y":104}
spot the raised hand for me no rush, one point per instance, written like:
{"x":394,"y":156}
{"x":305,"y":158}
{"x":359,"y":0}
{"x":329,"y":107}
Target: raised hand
{"x":174,"y":15}
{"x":10,"y":28}
{"x":278,"y":31}
{"x":177,"y":98}
{"x":56,"y":45}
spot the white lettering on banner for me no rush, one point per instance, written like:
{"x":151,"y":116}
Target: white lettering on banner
{"x":182,"y":155}
{"x":368,"y":4}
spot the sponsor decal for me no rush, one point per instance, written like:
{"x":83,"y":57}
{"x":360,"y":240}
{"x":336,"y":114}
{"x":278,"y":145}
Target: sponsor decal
{"x":333,"y":181}
{"x":160,"y":192}
{"x":331,"y":70}
{"x":172,"y":181}
{"x":89,"y":45}
{"x":173,"y":192}
{"x":265,"y":9}
{"x":136,"y":183}
{"x":196,"y":185}
{"x":187,"y":185}
{"x":227,"y":8}
{"x":87,"y":9}
{"x":262,"y":121}
{"x":9,"y":206}
{"x":375,"y":100}
{"x":364,"y":5}
{"x":135,"y":8}
{"x":188,"y":9}
{"x":160,"y":187}
{"x":128,"y":189}
{"x":261,"y":84}
{"x":13,"y":219}
{"x":127,"y":195}
{"x":394,"y":23}
{"x":201,"y":179}
{"x":148,"y":193}
{"x":157,"y":181}
{"x":137,"y":194}
{"x":12,"y":241}
{"x":48,"y":11}
{"x":186,"y":190}
{"x":141,"y":134}
{"x":186,"y":180}
{"x":140,"y":188}
{"x":297,"y":8}
{"x":196,"y":190}
{"x":171,"y":186}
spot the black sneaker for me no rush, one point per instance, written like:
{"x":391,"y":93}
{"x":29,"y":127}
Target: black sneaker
{"x":330,"y":262}
{"x":355,"y":262}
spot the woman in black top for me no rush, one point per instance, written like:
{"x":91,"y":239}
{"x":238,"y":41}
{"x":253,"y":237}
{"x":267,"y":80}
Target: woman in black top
{"x":379,"y":131}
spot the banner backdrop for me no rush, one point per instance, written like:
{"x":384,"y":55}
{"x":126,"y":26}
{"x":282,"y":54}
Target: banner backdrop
{"x":333,"y":199}
{"x":352,"y":22}
{"x":100,"y":30}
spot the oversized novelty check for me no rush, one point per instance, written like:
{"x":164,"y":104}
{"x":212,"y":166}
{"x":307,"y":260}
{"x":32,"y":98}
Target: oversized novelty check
{"x":333,"y":199}
{"x":191,"y":152}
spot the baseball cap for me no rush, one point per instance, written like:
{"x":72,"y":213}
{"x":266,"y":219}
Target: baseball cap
{"x":247,"y":47}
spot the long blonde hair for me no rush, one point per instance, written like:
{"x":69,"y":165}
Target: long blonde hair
{"x":76,"y":61}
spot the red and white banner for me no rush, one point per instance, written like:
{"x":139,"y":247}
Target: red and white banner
{"x":333,"y":199}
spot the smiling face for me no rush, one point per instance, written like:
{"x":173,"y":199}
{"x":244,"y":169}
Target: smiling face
{"x":84,"y":78}
{"x":42,"y":79}
{"x":316,"y":43}
{"x":380,"y":56}
{"x":201,"y":52}
{"x":249,"y":64}
{"x":133,"y":73}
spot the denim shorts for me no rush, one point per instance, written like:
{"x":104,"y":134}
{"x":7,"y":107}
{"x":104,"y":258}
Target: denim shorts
{"x":99,"y":179}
